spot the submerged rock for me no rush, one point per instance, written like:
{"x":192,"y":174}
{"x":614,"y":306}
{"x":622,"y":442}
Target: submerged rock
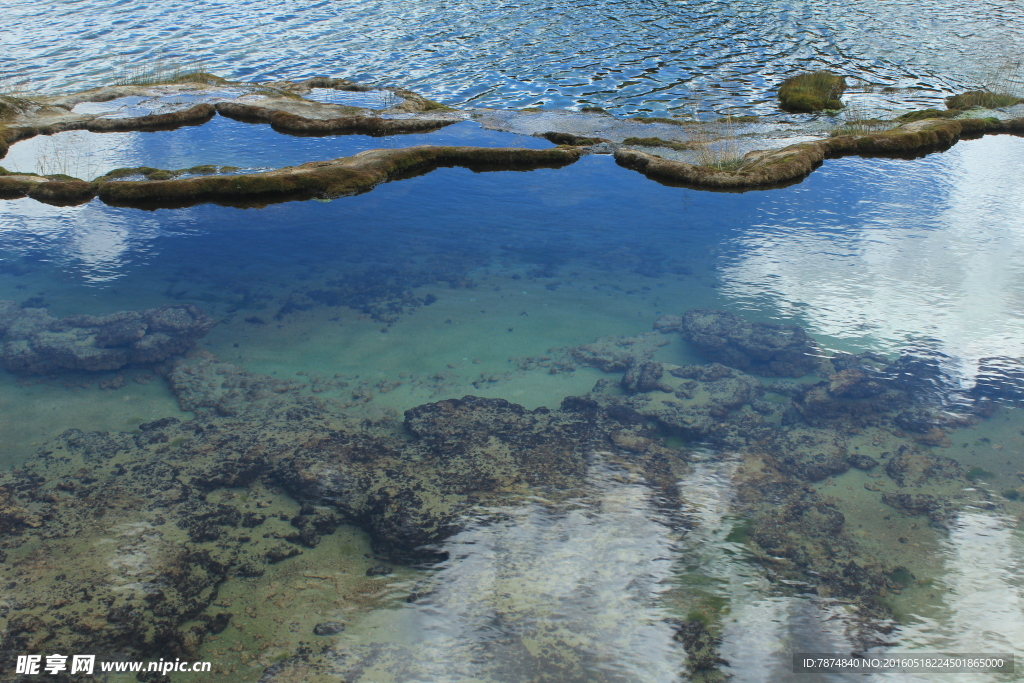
{"x":34,"y":342}
{"x":329,"y":628}
{"x":767,"y":349}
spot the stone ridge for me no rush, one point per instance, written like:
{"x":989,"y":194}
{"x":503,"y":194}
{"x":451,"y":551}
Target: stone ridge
{"x":282,"y":105}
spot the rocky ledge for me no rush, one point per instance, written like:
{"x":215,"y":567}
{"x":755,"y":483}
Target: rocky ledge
{"x":286,"y":107}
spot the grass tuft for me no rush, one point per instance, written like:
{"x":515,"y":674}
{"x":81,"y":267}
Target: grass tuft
{"x":855,"y":121}
{"x":812,"y":91}
{"x":715,"y":144}
{"x":164,"y":74}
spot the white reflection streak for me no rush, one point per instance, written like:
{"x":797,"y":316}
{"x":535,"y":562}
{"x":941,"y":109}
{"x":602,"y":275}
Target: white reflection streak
{"x":959,"y":282}
{"x":96,"y":242}
{"x":983,"y":600}
{"x":542,"y":590}
{"x":760,"y":630}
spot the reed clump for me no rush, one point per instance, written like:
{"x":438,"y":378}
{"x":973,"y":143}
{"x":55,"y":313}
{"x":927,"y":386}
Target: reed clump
{"x":66,"y":156}
{"x":856,"y":121}
{"x":812,"y":91}
{"x":715,"y":144}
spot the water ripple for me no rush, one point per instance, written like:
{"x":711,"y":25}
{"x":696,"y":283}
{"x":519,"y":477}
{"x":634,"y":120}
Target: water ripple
{"x":630,"y":57}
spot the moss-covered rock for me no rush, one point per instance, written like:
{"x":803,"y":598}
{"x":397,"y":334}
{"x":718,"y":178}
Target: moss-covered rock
{"x":922,"y":114}
{"x":812,"y":91}
{"x":776,"y":168}
{"x":657,"y":142}
{"x":295,"y":124}
{"x":982,"y":99}
{"x":570,"y":139}
{"x":346,"y":176}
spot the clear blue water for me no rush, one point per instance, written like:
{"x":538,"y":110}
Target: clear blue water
{"x":871,"y":254}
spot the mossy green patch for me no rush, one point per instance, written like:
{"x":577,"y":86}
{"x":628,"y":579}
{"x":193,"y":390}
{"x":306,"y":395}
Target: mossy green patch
{"x":699,"y":616}
{"x":594,"y":110}
{"x":812,"y":91}
{"x":150,"y":173}
{"x":740,"y":533}
{"x":570,"y":139}
{"x":901,"y":576}
{"x":928,"y":114}
{"x":4,"y":171}
{"x":976,"y":473}
{"x":983,"y":99}
{"x":662,"y":119}
{"x":656,"y":142}
{"x":275,"y":92}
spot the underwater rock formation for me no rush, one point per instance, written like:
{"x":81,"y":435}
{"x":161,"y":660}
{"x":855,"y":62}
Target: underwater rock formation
{"x":767,"y":349}
{"x":34,"y":342}
{"x":1000,"y":378}
{"x":180,"y":507}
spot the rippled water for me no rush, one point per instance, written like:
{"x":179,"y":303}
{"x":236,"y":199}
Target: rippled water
{"x":638,"y":56}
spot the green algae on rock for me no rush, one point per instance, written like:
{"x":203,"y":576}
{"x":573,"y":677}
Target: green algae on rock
{"x":812,"y":91}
